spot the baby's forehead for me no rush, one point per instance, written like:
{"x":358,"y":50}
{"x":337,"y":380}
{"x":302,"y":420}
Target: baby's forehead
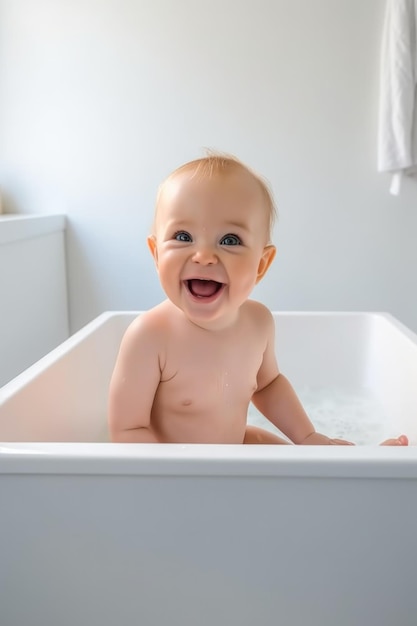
{"x":190,"y":183}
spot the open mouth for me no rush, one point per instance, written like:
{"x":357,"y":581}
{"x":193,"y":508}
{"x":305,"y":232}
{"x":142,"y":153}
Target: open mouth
{"x":200,"y":288}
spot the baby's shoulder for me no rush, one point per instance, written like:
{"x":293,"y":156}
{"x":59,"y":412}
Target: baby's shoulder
{"x":258,"y":312}
{"x":149,"y":326}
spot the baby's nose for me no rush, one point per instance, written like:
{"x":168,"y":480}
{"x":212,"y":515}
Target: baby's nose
{"x":205,"y":255}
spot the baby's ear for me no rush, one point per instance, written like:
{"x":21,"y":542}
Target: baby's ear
{"x":151,"y":241}
{"x":268,"y":255}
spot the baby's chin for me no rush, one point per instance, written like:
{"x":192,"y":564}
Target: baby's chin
{"x":213,"y":321}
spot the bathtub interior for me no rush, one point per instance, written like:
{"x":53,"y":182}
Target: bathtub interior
{"x":355,"y":370}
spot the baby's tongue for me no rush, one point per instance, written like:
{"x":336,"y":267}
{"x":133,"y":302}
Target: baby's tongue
{"x":203,"y":288}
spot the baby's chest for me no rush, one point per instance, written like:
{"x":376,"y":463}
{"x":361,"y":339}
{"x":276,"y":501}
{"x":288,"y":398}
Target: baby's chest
{"x":213,"y":375}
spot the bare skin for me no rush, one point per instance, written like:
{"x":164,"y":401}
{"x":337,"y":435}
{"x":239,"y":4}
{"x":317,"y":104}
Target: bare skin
{"x":188,"y":368}
{"x":175,"y":382}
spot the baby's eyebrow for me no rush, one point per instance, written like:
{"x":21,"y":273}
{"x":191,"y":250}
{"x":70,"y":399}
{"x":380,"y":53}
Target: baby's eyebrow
{"x":178,"y":224}
{"x":239,"y":225}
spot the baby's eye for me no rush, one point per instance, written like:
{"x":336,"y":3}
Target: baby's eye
{"x":182,"y":236}
{"x":230,"y":240}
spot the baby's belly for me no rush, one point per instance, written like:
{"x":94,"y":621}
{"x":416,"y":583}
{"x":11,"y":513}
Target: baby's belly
{"x":219,"y":426}
{"x":205,"y":409}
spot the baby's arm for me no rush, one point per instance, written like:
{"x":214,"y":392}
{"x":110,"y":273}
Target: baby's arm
{"x":133,"y":385}
{"x":280,"y":404}
{"x":276,"y":399}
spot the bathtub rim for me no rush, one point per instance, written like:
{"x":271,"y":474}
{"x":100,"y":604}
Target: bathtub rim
{"x":191,"y":460}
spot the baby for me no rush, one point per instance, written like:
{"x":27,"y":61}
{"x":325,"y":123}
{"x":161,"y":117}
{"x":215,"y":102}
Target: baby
{"x":188,"y":368}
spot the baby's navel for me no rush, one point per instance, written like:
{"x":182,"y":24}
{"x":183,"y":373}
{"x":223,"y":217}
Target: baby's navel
{"x":186,"y":402}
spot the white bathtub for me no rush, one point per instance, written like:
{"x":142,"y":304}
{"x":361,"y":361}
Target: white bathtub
{"x":103,"y":534}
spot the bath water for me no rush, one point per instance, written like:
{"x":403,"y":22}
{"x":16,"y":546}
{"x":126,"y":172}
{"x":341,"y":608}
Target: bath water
{"x":352,"y":414}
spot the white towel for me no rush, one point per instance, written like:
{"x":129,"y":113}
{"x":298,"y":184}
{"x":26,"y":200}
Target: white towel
{"x":397,"y":132}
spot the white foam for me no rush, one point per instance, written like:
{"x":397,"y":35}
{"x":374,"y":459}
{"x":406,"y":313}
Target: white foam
{"x":352,"y":414}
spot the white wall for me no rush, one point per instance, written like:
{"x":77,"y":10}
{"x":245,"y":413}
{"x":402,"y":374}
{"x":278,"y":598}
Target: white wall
{"x":100,"y":99}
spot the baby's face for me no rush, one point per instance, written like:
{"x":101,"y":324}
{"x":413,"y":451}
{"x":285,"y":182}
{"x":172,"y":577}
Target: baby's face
{"x":210,"y":244}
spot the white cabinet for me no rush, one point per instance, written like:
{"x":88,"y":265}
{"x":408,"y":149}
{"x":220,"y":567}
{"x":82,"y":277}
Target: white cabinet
{"x":33,"y":290}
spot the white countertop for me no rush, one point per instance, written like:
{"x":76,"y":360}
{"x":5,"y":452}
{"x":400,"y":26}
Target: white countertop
{"x":15,"y":227}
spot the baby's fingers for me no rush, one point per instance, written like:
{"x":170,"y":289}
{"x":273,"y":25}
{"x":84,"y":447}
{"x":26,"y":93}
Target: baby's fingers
{"x":402,"y":440}
{"x":340,"y":442}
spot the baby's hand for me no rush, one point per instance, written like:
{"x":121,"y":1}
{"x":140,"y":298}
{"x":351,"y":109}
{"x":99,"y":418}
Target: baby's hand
{"x":402,"y":440}
{"x":317,"y":439}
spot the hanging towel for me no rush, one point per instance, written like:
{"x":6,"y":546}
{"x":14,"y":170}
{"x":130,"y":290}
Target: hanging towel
{"x":397,"y":132}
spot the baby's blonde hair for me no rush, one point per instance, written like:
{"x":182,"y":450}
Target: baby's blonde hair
{"x":219,"y":164}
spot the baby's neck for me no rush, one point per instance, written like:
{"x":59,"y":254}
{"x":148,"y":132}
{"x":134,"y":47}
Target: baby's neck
{"x":215,"y":325}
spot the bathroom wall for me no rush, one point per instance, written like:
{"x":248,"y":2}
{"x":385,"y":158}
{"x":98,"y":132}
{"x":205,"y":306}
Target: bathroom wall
{"x":100,"y":99}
